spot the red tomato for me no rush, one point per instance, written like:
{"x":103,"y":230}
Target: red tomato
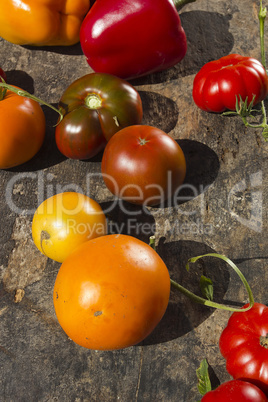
{"x":94,"y":108}
{"x":143,"y":165}
{"x":23,"y":125}
{"x":243,"y":343}
{"x":235,"y":391}
{"x":219,"y":82}
{"x":111,"y":292}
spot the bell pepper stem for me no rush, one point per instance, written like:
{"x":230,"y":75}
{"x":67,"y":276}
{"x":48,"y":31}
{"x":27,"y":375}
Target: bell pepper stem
{"x":181,"y":3}
{"x":207,"y":302}
{"x":25,"y":94}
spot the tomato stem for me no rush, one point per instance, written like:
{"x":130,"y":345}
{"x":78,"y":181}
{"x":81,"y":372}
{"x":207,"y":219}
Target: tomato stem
{"x":152,"y":242}
{"x":93,"y":101}
{"x":26,"y":94}
{"x":262,"y":125}
{"x":244,"y":110}
{"x":2,"y":90}
{"x":262,"y":16}
{"x":207,"y":302}
{"x":239,"y":273}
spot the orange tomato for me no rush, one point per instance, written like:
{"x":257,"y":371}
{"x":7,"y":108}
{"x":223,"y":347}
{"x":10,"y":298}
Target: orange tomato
{"x":23,"y":126}
{"x":111,"y":292}
{"x":64,"y":221}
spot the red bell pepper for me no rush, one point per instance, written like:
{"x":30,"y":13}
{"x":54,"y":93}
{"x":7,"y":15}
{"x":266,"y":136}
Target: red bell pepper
{"x":132,"y":38}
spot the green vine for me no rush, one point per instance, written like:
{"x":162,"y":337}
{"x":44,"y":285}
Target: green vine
{"x":4,"y":87}
{"x":207,"y":302}
{"x":262,"y":16}
{"x":242,"y":108}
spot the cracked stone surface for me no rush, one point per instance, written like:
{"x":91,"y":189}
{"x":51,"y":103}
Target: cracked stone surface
{"x":226,"y":213}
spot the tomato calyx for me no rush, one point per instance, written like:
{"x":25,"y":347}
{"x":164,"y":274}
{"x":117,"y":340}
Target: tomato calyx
{"x":208,"y":302}
{"x":143,"y":141}
{"x":264,"y":341}
{"x":93,"y":101}
{"x":245,"y":110}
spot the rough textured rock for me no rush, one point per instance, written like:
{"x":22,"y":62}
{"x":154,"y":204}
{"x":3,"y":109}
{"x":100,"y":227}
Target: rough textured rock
{"x":226,"y":165}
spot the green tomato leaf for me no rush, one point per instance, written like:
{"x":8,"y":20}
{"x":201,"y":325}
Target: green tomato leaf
{"x":206,"y":287}
{"x":204,"y":384}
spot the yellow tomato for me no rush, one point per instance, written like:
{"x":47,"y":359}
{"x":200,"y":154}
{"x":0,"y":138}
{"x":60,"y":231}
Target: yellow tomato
{"x":64,"y":221}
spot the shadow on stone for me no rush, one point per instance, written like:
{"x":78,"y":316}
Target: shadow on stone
{"x":129,"y":219}
{"x":208,"y":38}
{"x":159,"y":111}
{"x":74,"y":50}
{"x":202,"y":167}
{"x":20,"y":79}
{"x":183,"y":315}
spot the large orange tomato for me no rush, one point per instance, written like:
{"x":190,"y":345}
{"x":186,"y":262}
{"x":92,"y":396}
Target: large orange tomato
{"x":64,"y":221}
{"x":111,"y":292}
{"x":22,"y":122}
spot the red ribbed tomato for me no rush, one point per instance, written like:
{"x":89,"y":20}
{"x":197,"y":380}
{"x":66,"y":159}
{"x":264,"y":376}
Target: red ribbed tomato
{"x":235,"y":391}
{"x":244,"y":345}
{"x":219,"y":82}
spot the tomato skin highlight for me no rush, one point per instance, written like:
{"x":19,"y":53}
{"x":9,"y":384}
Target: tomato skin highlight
{"x":64,"y":221}
{"x":143,"y":165}
{"x":241,"y":345}
{"x":94,"y":108}
{"x":219,"y":82}
{"x":23,"y":129}
{"x":111,"y":292}
{"x":235,"y":391}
